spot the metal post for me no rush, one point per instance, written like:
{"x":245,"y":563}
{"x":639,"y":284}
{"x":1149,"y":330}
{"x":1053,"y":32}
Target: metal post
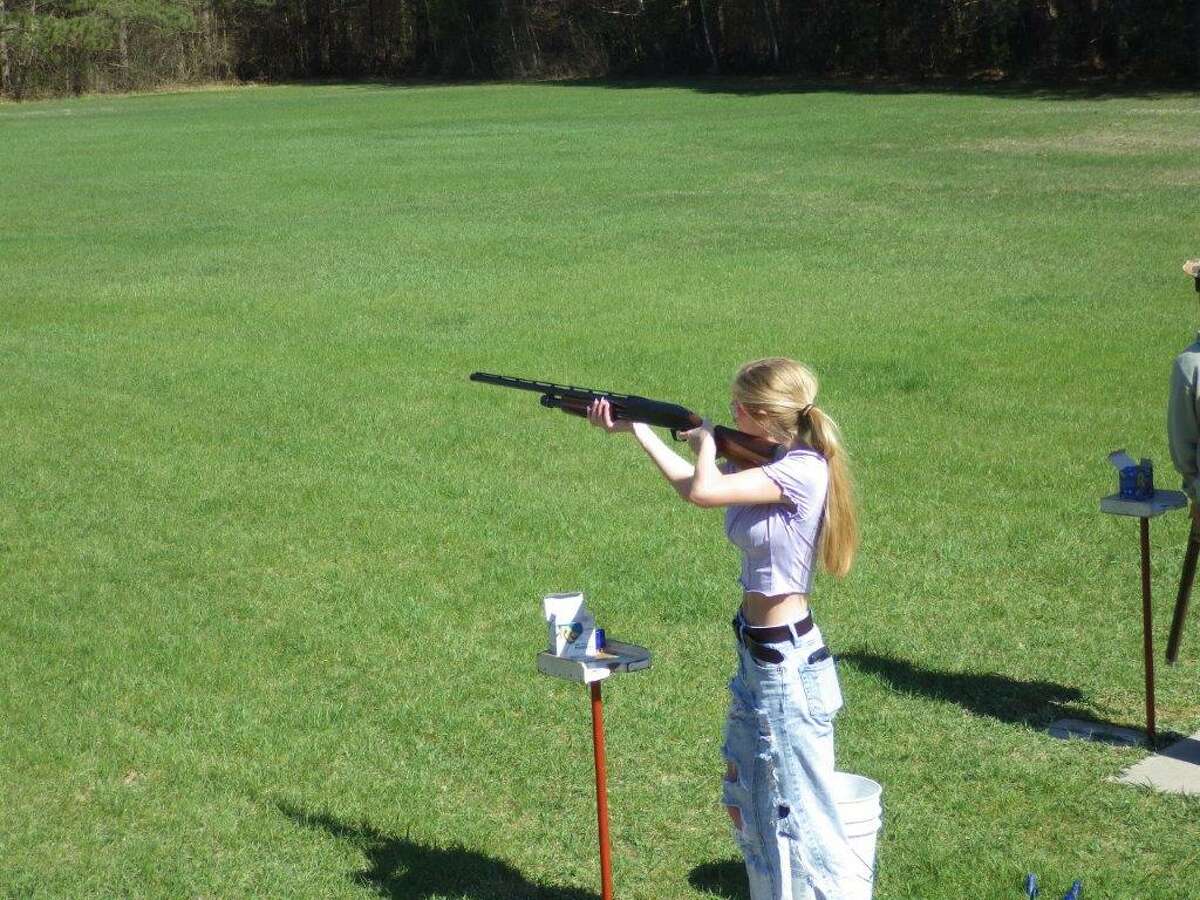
{"x":1147,"y":637}
{"x":606,"y":886}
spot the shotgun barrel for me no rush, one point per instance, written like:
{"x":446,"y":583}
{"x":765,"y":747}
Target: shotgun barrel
{"x":743,"y":450}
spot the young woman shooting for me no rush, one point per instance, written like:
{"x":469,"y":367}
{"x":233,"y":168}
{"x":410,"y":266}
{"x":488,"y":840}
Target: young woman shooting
{"x":783,"y":517}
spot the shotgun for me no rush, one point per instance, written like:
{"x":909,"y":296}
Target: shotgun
{"x":745,"y":451}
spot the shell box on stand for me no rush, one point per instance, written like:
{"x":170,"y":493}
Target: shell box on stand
{"x":572,"y":628}
{"x":578,"y":650}
{"x":1135,"y":480}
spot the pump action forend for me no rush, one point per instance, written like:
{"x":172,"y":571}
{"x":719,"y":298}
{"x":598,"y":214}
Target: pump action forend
{"x":743,"y":450}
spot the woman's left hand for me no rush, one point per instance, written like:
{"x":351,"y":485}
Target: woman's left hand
{"x":599,"y":413}
{"x":696,"y":437}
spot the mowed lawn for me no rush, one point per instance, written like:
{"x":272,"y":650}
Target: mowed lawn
{"x":271,"y":567}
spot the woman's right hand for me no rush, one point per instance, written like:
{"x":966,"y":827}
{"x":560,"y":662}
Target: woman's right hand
{"x":600,"y":415}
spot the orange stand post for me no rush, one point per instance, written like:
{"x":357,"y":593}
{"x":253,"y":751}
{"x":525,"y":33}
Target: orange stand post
{"x":606,"y":885}
{"x":1147,"y":633}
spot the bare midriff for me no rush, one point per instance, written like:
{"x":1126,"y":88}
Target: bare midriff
{"x":778,"y":609}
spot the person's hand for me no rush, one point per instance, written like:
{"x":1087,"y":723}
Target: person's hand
{"x":600,"y":415}
{"x":1192,"y":267}
{"x":697,"y":436}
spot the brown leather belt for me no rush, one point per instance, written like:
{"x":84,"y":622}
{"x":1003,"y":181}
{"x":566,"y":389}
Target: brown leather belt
{"x":753,"y":637}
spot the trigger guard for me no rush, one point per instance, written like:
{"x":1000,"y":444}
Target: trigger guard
{"x":675,"y":434}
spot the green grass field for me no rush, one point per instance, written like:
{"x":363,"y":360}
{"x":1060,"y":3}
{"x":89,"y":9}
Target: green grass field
{"x":271,"y":567}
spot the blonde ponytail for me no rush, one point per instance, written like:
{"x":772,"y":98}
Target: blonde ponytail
{"x":839,"y":528}
{"x":779,"y":393}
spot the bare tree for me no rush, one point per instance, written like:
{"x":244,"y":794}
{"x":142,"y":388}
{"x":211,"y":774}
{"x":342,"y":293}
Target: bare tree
{"x":4,"y":64}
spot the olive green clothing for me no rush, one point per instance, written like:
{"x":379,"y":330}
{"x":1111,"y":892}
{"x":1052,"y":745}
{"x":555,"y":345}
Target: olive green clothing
{"x":1183,"y":417}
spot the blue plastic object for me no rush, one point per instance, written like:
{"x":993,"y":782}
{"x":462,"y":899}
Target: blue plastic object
{"x":1074,"y":892}
{"x":1031,"y":886}
{"x":1137,"y":482}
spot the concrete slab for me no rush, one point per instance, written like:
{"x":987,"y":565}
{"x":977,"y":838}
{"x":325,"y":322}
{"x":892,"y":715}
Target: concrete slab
{"x":1094,"y":731}
{"x":1175,"y":771}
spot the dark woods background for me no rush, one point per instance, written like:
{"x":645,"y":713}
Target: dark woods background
{"x":57,"y":46}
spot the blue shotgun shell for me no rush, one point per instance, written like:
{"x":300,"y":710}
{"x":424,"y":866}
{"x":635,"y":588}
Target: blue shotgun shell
{"x":1031,"y":886}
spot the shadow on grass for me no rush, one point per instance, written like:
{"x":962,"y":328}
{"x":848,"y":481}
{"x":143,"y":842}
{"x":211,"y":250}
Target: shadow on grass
{"x":401,"y":868}
{"x":726,"y":880}
{"x":1008,"y":90}
{"x":1032,"y":703}
{"x":753,"y":86}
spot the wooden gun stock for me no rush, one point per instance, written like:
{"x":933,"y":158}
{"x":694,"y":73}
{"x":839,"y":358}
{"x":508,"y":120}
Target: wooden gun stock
{"x":745,"y":451}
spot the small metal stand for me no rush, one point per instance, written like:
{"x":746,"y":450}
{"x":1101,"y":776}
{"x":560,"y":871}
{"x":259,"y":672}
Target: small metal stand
{"x":616,"y":657}
{"x":1145,"y":510}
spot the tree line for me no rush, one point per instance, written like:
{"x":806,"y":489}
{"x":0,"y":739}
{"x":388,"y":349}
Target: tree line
{"x":64,"y":46}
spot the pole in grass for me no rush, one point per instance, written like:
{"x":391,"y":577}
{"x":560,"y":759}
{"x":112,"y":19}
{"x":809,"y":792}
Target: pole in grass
{"x":579,"y":652}
{"x":601,"y":762}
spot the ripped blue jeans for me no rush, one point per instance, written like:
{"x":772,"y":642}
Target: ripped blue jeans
{"x":778,"y":784}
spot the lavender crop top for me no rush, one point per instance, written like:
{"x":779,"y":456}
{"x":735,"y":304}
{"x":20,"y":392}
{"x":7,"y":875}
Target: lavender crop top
{"x":779,"y":540}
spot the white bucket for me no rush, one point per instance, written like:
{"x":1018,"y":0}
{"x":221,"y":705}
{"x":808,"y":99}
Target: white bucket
{"x":858,"y":802}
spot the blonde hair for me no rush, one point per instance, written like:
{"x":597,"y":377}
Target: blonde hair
{"x":780,"y":394}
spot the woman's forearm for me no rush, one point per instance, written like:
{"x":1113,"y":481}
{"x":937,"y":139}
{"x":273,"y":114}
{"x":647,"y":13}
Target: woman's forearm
{"x":705,"y":474}
{"x":677,"y":470}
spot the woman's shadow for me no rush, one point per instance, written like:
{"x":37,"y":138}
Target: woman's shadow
{"x":1034,"y":703}
{"x":401,"y":868}
{"x":726,"y":879}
